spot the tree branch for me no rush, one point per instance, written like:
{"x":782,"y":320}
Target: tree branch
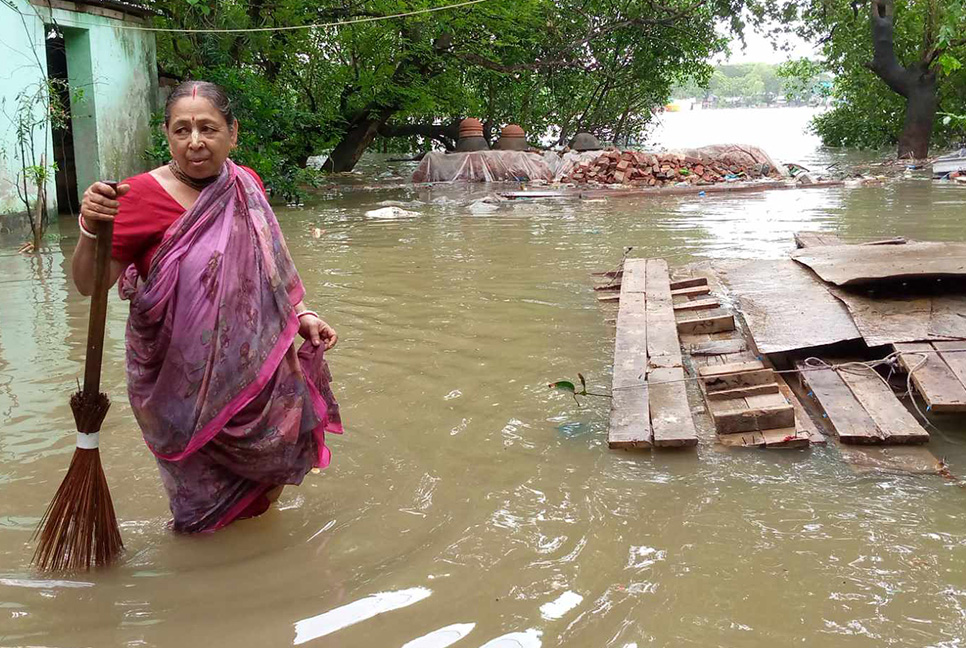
{"x":884,"y":63}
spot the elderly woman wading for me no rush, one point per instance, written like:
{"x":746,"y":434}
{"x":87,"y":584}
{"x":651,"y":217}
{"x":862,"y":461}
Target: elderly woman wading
{"x":225,"y":402}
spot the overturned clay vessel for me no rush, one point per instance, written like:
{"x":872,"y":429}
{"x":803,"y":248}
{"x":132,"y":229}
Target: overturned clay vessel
{"x":585,"y":142}
{"x":511,"y":139}
{"x":471,"y":136}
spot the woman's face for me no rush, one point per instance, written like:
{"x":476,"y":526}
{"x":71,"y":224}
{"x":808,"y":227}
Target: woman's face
{"x":198,"y":137}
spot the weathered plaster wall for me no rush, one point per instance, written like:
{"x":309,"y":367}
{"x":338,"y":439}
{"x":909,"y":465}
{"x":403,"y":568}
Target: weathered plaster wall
{"x":20,"y":42}
{"x":115,"y":68}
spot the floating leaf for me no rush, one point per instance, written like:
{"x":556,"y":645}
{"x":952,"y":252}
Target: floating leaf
{"x":564,"y":385}
{"x":583,"y":383}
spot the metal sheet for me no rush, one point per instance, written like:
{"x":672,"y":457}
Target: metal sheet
{"x":846,"y":265}
{"x":787,"y":307}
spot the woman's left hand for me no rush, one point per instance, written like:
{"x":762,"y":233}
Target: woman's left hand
{"x":317,"y":331}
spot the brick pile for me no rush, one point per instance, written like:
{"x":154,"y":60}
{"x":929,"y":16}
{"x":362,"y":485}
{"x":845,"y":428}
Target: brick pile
{"x":641,"y":169}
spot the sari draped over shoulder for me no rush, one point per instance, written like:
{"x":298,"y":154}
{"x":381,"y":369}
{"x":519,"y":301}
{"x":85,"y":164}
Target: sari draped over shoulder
{"x":227,"y":405}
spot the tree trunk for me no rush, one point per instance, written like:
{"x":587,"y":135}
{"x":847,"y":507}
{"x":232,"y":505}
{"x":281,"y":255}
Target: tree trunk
{"x":357,"y":139}
{"x":365,"y":125}
{"x":916,"y":82}
{"x":920,"y":114}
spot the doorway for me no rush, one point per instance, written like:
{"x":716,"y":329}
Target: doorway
{"x":62,"y":131}
{"x":70,"y":72}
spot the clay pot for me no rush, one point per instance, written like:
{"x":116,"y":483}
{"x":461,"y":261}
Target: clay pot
{"x":471,"y":127}
{"x":471,"y":136}
{"x":511,"y":139}
{"x":585,"y":142}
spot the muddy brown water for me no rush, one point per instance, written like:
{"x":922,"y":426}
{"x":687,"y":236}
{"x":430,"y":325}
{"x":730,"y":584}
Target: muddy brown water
{"x":467,"y":504}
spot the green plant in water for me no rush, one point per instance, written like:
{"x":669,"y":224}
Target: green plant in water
{"x":570,"y":388}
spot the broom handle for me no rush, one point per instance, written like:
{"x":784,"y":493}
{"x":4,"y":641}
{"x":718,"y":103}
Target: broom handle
{"x":98,"y":319}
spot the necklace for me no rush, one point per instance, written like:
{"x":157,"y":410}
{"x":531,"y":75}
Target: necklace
{"x":195,"y":183}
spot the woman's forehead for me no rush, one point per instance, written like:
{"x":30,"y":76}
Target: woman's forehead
{"x":196,"y":107}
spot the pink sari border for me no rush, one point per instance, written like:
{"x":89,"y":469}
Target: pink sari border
{"x":215,"y":425}
{"x":240,"y":507}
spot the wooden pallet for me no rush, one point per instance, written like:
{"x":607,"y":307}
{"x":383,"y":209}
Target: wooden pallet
{"x":861,"y":408}
{"x":938,"y":374}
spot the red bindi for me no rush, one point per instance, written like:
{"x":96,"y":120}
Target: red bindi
{"x":194,"y":92}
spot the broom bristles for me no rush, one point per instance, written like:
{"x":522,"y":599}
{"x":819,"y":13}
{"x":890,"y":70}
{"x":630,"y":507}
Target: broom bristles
{"x":79,"y":529}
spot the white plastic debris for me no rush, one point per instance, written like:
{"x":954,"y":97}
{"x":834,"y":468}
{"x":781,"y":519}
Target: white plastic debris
{"x":390,"y":213}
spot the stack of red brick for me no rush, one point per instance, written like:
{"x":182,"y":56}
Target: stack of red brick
{"x":662,"y":169}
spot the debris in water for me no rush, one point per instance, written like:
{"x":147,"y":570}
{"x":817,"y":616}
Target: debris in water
{"x":390,"y":213}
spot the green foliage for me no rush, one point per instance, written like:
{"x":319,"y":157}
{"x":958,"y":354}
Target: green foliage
{"x":866,"y":113}
{"x":554,"y":66}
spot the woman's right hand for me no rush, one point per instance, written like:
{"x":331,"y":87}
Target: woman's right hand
{"x":99,"y":202}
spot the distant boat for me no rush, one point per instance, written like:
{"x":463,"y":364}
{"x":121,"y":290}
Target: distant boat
{"x":946,"y":164}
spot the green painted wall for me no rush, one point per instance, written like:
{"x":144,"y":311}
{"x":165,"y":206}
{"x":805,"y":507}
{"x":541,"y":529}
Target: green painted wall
{"x":117,"y":73}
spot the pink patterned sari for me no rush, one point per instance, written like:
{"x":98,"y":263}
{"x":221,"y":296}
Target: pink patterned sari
{"x":225,"y":402}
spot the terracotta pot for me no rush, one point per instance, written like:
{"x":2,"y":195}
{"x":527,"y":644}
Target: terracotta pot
{"x":471,"y":127}
{"x":471,"y":136}
{"x":511,"y":139}
{"x":470,"y":144}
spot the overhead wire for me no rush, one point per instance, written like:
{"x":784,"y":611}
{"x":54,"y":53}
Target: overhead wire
{"x":327,"y":25}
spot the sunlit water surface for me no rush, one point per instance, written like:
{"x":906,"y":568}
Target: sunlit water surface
{"x":467,"y":504}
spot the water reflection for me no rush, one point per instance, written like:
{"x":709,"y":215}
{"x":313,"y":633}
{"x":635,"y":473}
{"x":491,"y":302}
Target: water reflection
{"x":352,"y":613}
{"x":443,"y":637}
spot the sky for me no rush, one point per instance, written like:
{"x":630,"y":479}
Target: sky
{"x":759,"y":50}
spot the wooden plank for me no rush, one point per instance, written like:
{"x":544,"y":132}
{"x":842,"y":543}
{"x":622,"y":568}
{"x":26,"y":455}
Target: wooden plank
{"x":736,"y":415}
{"x":786,"y":307}
{"x":954,"y":355}
{"x":711,"y":324}
{"x":742,"y":440}
{"x":630,"y":425}
{"x":712,"y":347}
{"x":689,"y":283}
{"x":707,"y":372}
{"x":939,"y":386}
{"x":815,"y":239}
{"x":915,"y":460}
{"x":766,"y":400}
{"x":609,"y":297}
{"x":633,"y":280}
{"x":849,"y":420}
{"x":694,"y":291}
{"x":739,"y":379}
{"x":663,"y":347}
{"x":846,"y":265}
{"x":697,"y":304}
{"x":789,"y":438}
{"x":630,"y":343}
{"x":803,"y":422}
{"x":892,"y":419}
{"x":607,"y":287}
{"x":671,"y":420}
{"x":743,"y":392}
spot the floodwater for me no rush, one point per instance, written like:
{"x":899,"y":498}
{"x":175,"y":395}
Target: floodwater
{"x":467,"y":504}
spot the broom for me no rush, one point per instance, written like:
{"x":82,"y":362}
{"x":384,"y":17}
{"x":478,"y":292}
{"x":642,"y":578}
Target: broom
{"x":79,"y":528}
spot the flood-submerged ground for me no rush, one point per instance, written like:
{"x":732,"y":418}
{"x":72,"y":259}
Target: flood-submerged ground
{"x":465,"y":495}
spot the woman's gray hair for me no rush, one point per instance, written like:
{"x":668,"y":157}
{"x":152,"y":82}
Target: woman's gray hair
{"x":210,"y":91}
